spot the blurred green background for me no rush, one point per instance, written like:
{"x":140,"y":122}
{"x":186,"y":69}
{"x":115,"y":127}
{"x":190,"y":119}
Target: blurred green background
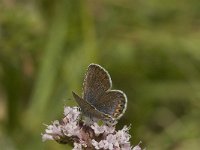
{"x":151,"y":49}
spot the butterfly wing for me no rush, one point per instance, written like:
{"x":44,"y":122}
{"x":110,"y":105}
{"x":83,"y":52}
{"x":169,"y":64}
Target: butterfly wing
{"x":97,"y":81}
{"x":88,"y":110}
{"x":113,"y":103}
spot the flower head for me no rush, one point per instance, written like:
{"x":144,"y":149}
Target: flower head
{"x":71,"y":129}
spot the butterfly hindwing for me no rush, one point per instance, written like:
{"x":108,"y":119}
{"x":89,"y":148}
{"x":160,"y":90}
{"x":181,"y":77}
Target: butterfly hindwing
{"x":112,"y":102}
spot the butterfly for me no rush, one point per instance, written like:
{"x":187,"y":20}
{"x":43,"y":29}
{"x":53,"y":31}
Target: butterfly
{"x":98,"y":100}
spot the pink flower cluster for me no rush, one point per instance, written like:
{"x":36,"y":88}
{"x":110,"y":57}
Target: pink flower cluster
{"x":112,"y":139}
{"x":72,"y":130}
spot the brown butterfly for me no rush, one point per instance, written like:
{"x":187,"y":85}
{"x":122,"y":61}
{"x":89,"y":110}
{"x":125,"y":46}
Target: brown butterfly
{"x":99,"y":101}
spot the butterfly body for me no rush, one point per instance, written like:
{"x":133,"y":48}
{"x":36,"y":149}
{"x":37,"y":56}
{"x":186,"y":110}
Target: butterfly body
{"x":98,"y":100}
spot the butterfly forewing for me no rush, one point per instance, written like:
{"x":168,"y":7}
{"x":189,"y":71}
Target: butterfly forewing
{"x":96,"y":82}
